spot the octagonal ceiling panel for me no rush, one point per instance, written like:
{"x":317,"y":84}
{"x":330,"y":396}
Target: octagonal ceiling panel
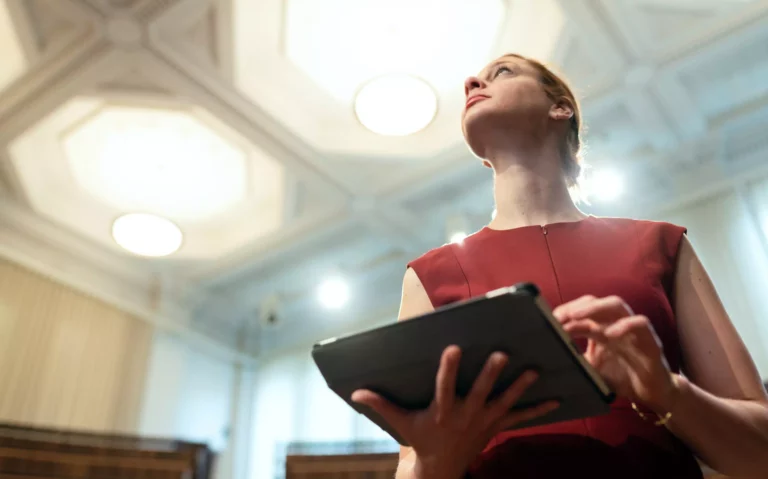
{"x":92,"y":161}
{"x":304,"y":64}
{"x":14,"y":63}
{"x":120,"y":151}
{"x":342,"y":44}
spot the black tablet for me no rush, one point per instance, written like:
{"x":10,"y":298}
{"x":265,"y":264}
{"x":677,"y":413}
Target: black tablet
{"x":400,"y":360}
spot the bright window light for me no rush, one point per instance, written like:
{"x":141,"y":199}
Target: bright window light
{"x":458,"y":237}
{"x":147,"y":235}
{"x":396,"y":105}
{"x":441,"y":41}
{"x":333,"y":293}
{"x":605,"y":185}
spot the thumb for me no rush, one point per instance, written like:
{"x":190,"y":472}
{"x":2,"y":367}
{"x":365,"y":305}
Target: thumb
{"x":394,"y":415}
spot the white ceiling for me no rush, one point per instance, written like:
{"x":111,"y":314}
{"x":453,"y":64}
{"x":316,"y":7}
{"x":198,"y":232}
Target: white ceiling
{"x":675,"y":96}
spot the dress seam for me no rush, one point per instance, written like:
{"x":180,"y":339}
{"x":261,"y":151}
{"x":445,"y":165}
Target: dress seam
{"x":461,"y":268}
{"x":552,"y":263}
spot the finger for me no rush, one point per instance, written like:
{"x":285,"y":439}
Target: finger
{"x":637,"y":326}
{"x":513,"y":393}
{"x":636,"y":342}
{"x":393,"y":415}
{"x":605,"y":309}
{"x":445,"y":382}
{"x":517,"y":417}
{"x":602,"y":310}
{"x":585,"y":328}
{"x":483,"y":385}
{"x":562,"y":312}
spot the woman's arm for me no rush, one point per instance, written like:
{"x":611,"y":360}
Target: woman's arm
{"x":414,"y":302}
{"x":722,"y":412}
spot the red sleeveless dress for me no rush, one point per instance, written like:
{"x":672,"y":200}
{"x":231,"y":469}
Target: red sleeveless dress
{"x":599,"y":256}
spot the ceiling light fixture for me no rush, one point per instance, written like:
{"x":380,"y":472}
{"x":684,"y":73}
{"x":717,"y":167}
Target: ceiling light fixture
{"x":396,"y":105}
{"x":147,"y":235}
{"x":605,"y":185}
{"x":333,"y":293}
{"x":458,"y":237}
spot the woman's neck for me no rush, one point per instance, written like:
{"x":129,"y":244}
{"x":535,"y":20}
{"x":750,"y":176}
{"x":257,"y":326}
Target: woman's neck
{"x":532,"y":191}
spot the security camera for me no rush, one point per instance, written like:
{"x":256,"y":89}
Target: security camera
{"x":269,"y":311}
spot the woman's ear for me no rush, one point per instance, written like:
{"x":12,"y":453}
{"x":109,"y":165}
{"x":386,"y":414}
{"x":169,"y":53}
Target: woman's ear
{"x":561,"y":110}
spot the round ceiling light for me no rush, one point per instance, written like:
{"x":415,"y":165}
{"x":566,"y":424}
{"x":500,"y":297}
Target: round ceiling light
{"x":458,"y":237}
{"x":396,"y":105}
{"x":333,"y":293}
{"x":605,"y":185}
{"x":147,"y":235}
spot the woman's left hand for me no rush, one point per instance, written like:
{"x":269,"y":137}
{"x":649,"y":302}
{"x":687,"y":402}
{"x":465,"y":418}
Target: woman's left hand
{"x":623,"y":347}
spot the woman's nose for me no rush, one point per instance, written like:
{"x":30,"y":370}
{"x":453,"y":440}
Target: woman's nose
{"x":472,"y":83}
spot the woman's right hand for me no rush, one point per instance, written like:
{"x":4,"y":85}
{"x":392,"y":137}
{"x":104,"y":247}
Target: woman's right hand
{"x":448,"y":435}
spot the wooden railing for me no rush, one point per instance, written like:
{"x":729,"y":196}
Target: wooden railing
{"x":37,"y":453}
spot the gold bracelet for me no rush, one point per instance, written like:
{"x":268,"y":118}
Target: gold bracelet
{"x":663,"y":419}
{"x":660,"y":422}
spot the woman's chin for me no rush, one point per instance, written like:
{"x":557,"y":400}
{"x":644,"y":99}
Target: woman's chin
{"x":476,"y":134}
{"x":475,"y":146}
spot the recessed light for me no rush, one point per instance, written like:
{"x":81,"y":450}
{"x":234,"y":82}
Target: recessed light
{"x":605,"y":185}
{"x":458,"y":237}
{"x":333,"y":293}
{"x":147,"y":235}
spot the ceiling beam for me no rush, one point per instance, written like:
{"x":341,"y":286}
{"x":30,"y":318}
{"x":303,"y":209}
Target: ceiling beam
{"x":296,"y":237}
{"x":50,"y":84}
{"x":234,"y":108}
{"x":746,"y":21}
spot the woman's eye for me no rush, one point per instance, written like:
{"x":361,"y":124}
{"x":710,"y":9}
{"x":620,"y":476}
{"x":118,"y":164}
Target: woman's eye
{"x":500,"y":70}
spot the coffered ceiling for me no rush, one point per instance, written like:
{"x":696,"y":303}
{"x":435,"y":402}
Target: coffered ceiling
{"x":236,"y":120}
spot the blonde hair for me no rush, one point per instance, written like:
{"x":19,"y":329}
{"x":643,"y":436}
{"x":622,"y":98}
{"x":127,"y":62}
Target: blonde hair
{"x":557,"y":90}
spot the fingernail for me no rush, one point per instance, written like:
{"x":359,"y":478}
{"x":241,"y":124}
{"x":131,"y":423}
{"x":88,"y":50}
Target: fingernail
{"x":531,"y":376}
{"x":453,"y":350}
{"x":498,"y":357}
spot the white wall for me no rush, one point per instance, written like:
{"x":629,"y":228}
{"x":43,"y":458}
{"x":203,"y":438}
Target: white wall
{"x":189,"y":396}
{"x":293,"y":403}
{"x":234,"y":462}
{"x":730,"y":235}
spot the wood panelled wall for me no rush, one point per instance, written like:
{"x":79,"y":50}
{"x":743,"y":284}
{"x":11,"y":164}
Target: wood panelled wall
{"x":67,"y":360}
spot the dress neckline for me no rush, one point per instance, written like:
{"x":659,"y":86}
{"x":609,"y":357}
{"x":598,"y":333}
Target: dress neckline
{"x":546,"y":226}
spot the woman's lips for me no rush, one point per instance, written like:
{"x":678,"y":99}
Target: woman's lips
{"x":472,"y":100}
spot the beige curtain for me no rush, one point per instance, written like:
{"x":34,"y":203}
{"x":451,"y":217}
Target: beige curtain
{"x":67,"y":360}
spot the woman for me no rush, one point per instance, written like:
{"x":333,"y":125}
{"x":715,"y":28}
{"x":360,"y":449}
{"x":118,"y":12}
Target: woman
{"x":633,"y":293}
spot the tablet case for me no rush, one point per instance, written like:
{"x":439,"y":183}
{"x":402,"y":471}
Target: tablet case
{"x":400,"y":360}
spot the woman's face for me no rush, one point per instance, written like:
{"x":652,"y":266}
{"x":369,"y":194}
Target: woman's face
{"x":505,"y":100}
